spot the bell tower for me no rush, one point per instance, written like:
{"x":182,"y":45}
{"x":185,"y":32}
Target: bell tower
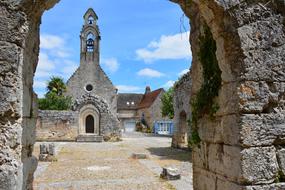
{"x":90,"y":38}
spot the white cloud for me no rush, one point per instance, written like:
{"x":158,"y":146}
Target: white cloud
{"x":169,"y":84}
{"x":183,"y":72}
{"x":111,"y":64}
{"x":147,"y":72}
{"x":39,"y":84}
{"x":45,"y":66}
{"x":52,"y":61}
{"x":167,"y":47}
{"x":126,"y":88}
{"x":50,"y":41}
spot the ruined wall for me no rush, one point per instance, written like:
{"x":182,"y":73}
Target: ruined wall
{"x":242,"y":147}
{"x":19,"y":48}
{"x":181,"y":103}
{"x":57,"y":126}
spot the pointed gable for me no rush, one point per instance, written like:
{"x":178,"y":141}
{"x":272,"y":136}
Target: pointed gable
{"x":149,"y":98}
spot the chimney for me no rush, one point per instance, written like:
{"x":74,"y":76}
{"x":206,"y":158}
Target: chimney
{"x":147,"y":90}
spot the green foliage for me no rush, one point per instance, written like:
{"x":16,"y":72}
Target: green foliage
{"x":204,"y":103}
{"x":56,"y":85}
{"x":54,"y":98}
{"x":167,"y":104}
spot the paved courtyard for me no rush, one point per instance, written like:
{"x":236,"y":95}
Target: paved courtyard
{"x":109,"y":166}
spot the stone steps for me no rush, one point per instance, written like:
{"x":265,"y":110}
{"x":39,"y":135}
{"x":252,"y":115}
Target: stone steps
{"x":90,"y":138}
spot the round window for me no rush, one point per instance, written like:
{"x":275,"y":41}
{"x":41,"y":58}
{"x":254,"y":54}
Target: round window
{"x":89,"y":87}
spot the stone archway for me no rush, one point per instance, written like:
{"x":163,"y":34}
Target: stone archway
{"x":85,"y":114}
{"x":249,"y":123}
{"x":89,"y":124}
{"x":183,"y":127}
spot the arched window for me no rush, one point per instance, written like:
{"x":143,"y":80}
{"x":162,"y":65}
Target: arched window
{"x":90,"y":20}
{"x":90,"y":42}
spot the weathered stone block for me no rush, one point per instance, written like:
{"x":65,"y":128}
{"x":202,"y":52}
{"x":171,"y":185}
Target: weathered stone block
{"x":281,"y":159}
{"x":170,"y":174}
{"x":263,"y":130}
{"x":277,"y":186}
{"x":264,"y":65}
{"x":210,"y":130}
{"x":225,"y":160}
{"x":231,"y":129}
{"x":139,"y":156}
{"x":203,"y":179}
{"x":224,"y":184}
{"x":227,"y":99}
{"x":259,"y":165}
{"x":199,"y":156}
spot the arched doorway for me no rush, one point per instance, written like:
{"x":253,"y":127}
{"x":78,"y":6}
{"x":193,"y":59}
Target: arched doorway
{"x":89,"y":124}
{"x":89,"y":120}
{"x":182,"y":128}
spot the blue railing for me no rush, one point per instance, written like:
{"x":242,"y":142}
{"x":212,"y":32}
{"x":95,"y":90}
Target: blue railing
{"x":163,"y":127}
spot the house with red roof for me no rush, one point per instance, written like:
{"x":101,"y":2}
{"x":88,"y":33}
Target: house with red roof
{"x":133,"y":108}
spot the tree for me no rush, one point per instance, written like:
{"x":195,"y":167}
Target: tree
{"x":54,"y":98}
{"x":56,"y":85}
{"x":167,"y":104}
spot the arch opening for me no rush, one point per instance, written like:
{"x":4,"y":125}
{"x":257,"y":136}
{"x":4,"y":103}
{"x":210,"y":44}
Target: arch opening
{"x":182,"y":127}
{"x":89,"y":124}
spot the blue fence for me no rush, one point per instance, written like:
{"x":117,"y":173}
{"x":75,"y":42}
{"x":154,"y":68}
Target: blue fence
{"x":163,"y":127}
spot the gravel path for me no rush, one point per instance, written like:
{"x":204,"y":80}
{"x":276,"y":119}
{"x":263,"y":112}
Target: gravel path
{"x":109,"y":166}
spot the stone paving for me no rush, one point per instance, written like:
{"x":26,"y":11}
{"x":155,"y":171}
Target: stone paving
{"x":109,"y":166}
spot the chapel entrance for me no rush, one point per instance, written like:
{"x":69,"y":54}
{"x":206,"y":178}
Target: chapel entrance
{"x":89,"y":124}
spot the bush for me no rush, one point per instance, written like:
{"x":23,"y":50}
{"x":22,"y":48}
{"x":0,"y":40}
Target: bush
{"x":54,"y":102}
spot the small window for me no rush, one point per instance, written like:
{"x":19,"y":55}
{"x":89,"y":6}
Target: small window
{"x":90,"y":42}
{"x":90,"y":20}
{"x":89,"y":87}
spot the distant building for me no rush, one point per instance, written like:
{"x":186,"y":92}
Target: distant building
{"x":133,"y":107}
{"x":94,"y":112}
{"x":98,"y":112}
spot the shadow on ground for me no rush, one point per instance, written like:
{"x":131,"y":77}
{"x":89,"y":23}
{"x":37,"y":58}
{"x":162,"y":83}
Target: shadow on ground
{"x":168,"y":153}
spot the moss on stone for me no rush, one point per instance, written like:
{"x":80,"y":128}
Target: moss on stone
{"x":204,"y":103}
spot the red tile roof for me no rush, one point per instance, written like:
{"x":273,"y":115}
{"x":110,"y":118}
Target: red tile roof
{"x":149,"y":98}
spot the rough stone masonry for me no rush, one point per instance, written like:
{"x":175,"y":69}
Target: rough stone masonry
{"x":243,"y":148}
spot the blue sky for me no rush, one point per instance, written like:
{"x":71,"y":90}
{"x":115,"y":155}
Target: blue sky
{"x":143,"y":42}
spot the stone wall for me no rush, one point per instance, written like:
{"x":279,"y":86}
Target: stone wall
{"x":19,"y":48}
{"x":181,"y":104}
{"x":242,"y":146}
{"x":241,"y":149}
{"x":57,"y":126}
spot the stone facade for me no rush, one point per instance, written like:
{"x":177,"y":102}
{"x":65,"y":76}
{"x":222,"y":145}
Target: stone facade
{"x":90,"y":72}
{"x":241,"y":148}
{"x":235,"y":152}
{"x":182,"y":115}
{"x":93,"y":94}
{"x":132,"y":107}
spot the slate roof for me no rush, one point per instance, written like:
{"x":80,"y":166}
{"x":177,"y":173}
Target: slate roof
{"x":149,"y":98}
{"x":123,"y":98}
